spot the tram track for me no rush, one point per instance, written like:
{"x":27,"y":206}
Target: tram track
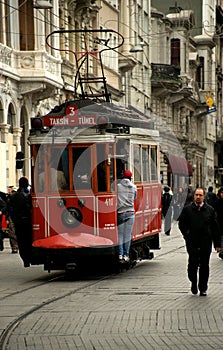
{"x":7,"y":332}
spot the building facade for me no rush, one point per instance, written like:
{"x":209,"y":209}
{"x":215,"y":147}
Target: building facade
{"x":168,"y":69}
{"x":192,"y":109}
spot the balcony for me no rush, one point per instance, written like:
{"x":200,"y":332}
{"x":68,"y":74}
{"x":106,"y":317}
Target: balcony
{"x":35,"y":71}
{"x":165,"y":72}
{"x":165,"y":78}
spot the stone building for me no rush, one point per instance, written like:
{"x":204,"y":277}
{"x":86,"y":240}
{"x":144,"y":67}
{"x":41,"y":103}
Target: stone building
{"x":165,"y":70}
{"x":194,"y":108}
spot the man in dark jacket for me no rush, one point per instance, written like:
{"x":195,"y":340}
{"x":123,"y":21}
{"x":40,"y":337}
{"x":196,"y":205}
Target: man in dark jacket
{"x":199,"y":226}
{"x":19,"y":208}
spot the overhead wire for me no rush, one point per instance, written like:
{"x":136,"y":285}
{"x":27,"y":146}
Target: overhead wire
{"x":46,"y":21}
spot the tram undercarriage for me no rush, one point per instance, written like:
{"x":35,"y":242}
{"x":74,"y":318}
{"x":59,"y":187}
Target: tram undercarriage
{"x":93,"y":258}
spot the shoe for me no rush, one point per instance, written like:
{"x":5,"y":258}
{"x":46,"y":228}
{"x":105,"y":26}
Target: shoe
{"x":120,"y":257}
{"x":14,"y":251}
{"x":167,"y":233}
{"x":220,"y":255}
{"x":194,"y":289}
{"x":126,"y":258}
{"x":1,"y":246}
{"x":203,"y":293}
{"x":26,"y":264}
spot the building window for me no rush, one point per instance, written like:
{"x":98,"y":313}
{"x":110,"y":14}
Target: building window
{"x":175,"y":52}
{"x":26,"y":25}
{"x":200,"y":73}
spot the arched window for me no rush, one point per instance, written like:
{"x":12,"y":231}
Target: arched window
{"x":10,"y":117}
{"x":1,"y":113}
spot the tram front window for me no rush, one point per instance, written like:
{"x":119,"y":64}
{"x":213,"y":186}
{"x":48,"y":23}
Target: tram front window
{"x":52,"y":172}
{"x":82,"y":168}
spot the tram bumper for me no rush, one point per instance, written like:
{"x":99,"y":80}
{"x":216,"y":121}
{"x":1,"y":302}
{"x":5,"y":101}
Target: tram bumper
{"x":70,"y":251}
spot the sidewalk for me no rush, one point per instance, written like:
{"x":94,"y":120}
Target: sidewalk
{"x":147,"y":307}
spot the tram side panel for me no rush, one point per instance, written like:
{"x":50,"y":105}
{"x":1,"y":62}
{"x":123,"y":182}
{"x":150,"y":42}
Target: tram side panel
{"x":148,"y":217}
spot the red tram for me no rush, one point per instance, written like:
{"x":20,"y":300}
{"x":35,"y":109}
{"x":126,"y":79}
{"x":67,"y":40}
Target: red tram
{"x":79,"y":151}
{"x":78,"y":155}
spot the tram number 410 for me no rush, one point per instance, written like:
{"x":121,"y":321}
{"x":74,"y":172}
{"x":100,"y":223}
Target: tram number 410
{"x":109,"y":202}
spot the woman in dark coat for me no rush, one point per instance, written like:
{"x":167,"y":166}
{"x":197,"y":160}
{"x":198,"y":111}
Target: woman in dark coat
{"x":218,"y":206}
{"x":167,"y":209}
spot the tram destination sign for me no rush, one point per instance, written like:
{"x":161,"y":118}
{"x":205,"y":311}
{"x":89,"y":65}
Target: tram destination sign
{"x":69,"y":121}
{"x":72,"y":117}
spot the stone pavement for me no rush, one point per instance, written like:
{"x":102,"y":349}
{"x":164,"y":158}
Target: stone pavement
{"x":147,"y":307}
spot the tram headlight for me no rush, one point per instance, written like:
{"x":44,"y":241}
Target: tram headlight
{"x":71,"y":217}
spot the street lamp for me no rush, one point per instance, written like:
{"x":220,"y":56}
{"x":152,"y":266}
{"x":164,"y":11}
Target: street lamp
{"x":41,"y":4}
{"x":138,"y":48}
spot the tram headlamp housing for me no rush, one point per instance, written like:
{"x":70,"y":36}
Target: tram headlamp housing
{"x":61,"y":202}
{"x":36,"y":123}
{"x":72,"y":217}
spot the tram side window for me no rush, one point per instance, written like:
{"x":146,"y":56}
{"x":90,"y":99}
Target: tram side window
{"x":112,"y":166}
{"x":38,"y":186}
{"x":122,"y":157}
{"x":145,"y":163}
{"x":137,"y":163}
{"x":105,"y":167}
{"x":101,"y":167}
{"x":82,"y":168}
{"x":153,"y":163}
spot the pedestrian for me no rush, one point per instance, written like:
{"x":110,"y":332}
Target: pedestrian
{"x":19,"y":209}
{"x":11,"y":227}
{"x":178,"y":202}
{"x":199,"y":227}
{"x":218,"y":206}
{"x":126,"y":214}
{"x":2,"y":215}
{"x":189,"y":195}
{"x":167,"y":209}
{"x":211,"y":197}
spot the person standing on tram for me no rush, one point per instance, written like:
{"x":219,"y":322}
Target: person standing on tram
{"x":126,"y":214}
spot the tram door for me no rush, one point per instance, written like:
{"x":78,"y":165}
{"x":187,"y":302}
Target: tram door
{"x":105,"y":191}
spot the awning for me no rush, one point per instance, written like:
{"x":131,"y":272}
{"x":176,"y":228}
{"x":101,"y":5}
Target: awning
{"x":180,"y":166}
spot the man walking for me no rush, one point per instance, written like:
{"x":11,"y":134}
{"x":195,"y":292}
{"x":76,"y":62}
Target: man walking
{"x":199,"y":226}
{"x":19,"y":208}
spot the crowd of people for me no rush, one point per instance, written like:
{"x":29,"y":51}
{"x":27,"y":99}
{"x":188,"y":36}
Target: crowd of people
{"x":15,"y":220}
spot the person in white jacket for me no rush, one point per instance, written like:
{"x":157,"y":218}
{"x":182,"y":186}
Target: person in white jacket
{"x":126,"y":214}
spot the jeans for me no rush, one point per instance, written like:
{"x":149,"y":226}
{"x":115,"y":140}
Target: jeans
{"x":125,"y":224}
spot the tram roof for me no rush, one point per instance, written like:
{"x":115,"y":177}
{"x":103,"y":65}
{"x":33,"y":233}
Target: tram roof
{"x":81,"y":113}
